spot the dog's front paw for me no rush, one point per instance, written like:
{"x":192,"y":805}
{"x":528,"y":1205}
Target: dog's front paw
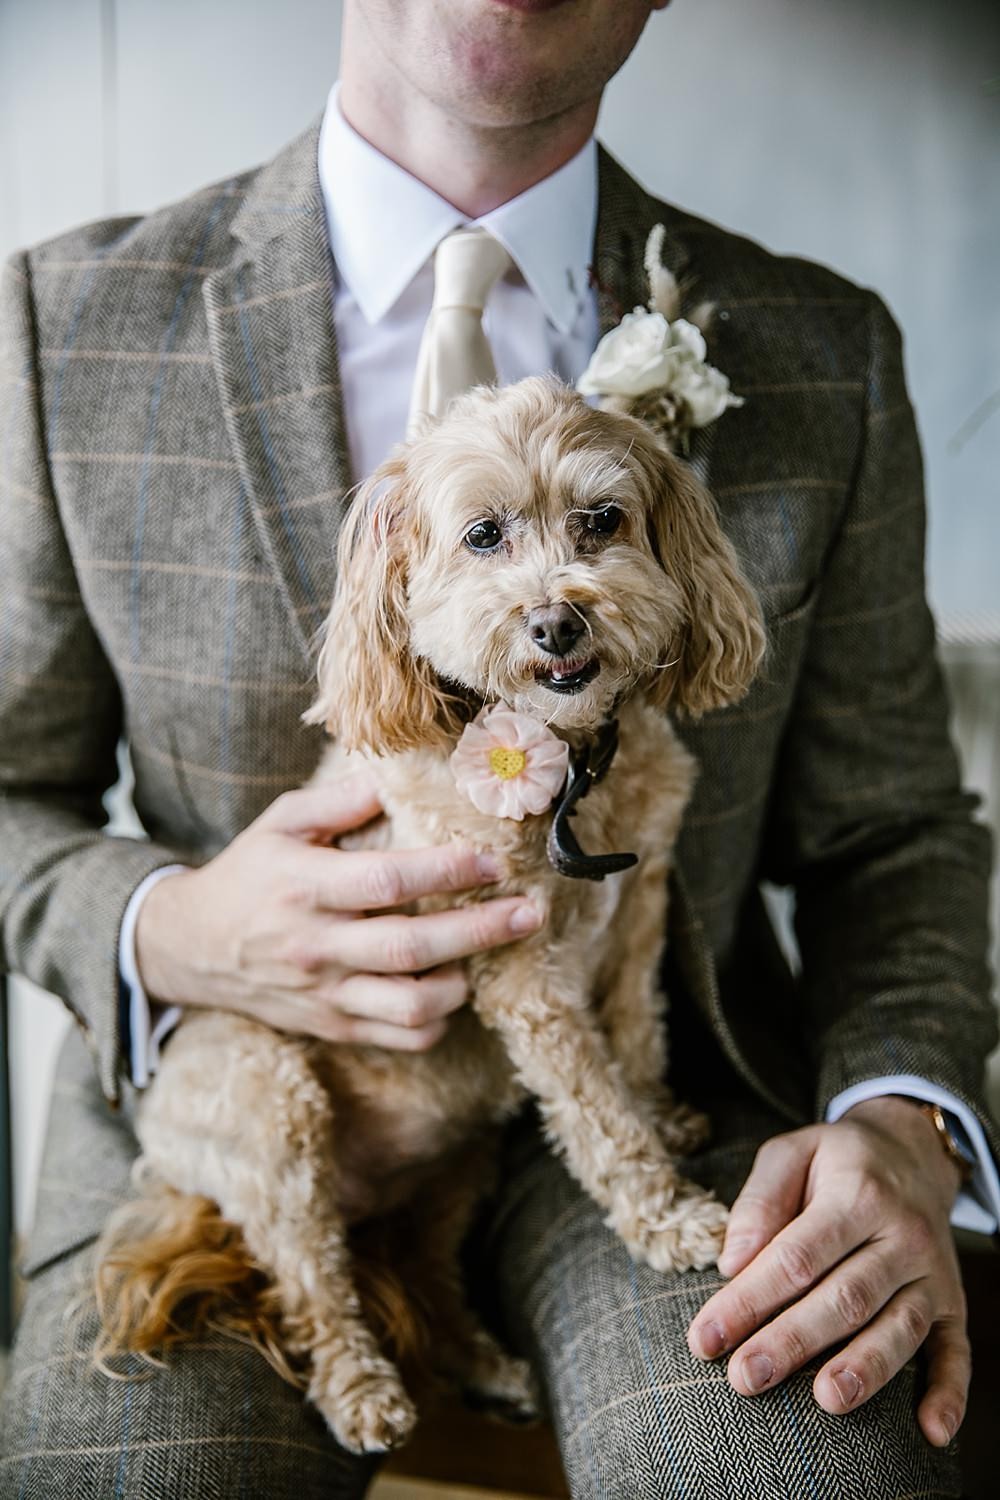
{"x":685,"y":1236}
{"x":372,"y":1415}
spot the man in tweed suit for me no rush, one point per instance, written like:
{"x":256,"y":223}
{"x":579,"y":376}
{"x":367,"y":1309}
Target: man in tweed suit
{"x":176,"y":458}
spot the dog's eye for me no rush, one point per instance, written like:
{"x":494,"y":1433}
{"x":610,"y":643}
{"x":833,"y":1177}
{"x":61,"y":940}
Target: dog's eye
{"x":604,"y":522}
{"x":483,"y":537}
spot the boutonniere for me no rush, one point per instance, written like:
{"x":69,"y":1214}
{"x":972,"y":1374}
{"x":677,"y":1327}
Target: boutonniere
{"x":508,"y":764}
{"x":653,"y":365}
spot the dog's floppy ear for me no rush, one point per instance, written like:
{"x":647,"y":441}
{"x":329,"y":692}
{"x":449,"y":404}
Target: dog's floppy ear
{"x":373,"y":692}
{"x":722,"y":636}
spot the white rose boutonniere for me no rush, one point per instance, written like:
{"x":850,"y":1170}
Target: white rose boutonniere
{"x":653,"y":364}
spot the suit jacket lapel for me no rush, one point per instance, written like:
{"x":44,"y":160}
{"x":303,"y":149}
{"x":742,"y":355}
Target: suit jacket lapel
{"x":270,"y":324}
{"x":625,"y":216}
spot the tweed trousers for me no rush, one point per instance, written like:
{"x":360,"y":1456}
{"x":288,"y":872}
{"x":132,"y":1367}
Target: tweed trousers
{"x":636,"y":1416}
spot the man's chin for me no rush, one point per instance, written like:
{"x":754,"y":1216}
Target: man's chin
{"x":510,"y":70}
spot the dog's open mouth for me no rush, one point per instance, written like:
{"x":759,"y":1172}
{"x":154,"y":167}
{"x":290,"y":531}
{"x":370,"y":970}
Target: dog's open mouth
{"x":569,"y":676}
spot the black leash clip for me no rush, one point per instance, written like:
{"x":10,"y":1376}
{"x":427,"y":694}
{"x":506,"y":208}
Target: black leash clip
{"x":588,"y":766}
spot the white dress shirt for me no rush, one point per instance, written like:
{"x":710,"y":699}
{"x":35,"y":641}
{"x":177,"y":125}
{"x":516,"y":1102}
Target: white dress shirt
{"x":384,"y":226}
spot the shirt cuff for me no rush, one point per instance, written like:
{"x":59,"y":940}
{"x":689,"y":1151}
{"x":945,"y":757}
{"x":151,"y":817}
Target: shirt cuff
{"x":147,"y":1024}
{"x":977,"y":1206}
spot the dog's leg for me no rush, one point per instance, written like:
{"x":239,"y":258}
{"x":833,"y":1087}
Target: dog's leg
{"x":610,"y":1143}
{"x":261,"y":1142}
{"x":463,"y":1350}
{"x":633,"y":1009}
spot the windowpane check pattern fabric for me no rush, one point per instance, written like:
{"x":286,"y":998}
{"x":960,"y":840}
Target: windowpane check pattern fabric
{"x":454,"y":351}
{"x":173,"y":475}
{"x":636,"y":1416}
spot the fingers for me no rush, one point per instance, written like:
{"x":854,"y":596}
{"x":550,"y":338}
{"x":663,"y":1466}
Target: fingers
{"x":882,"y":1349}
{"x":771,"y":1198}
{"x":370,"y":879}
{"x":949,"y":1370}
{"x":781,"y":1273}
{"x":845,"y":1301}
{"x":868,"y":1295}
{"x":328,"y":807}
{"x":864,"y":1294}
{"x":866,"y":1266}
{"x":408,"y":1001}
{"x":393,"y":1038}
{"x":321,"y":1018}
{"x":407,"y":945}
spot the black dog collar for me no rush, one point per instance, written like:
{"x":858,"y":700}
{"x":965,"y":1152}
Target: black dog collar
{"x":589,"y":765}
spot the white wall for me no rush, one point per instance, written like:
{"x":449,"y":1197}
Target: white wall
{"x":863,"y":133}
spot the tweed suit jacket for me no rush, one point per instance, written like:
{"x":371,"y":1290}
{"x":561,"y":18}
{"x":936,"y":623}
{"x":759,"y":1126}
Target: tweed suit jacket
{"x":173,"y":475}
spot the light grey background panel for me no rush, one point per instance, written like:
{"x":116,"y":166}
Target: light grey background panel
{"x":209,"y":87}
{"x":865,"y":134}
{"x":52,"y":149}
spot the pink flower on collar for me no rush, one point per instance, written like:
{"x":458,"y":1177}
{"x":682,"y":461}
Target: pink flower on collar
{"x":508,"y":764}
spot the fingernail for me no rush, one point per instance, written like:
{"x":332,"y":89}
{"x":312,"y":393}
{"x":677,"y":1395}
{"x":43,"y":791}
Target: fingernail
{"x":525,"y":918}
{"x":712,"y":1339}
{"x":758,"y":1371}
{"x":848,"y":1387}
{"x":949,"y":1423}
{"x":488,"y":866}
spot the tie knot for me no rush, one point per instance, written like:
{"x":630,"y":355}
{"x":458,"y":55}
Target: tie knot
{"x":467,"y":265}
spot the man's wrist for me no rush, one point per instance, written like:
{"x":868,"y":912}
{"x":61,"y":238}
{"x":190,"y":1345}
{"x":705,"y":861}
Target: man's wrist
{"x":977,"y":1206}
{"x":902,"y":1116}
{"x":156,"y":947}
{"x":946,"y":1134}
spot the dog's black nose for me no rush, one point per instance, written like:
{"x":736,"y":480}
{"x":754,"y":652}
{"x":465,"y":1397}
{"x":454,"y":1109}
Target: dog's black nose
{"x":556,"y":628}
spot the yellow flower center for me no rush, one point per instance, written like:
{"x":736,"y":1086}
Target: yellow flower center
{"x":507,"y":763}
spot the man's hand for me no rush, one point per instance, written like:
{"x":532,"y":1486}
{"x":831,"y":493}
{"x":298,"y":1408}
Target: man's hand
{"x":845,"y":1227}
{"x":276,"y":927}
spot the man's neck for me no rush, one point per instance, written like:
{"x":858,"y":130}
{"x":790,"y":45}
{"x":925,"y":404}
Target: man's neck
{"x":474,"y":168}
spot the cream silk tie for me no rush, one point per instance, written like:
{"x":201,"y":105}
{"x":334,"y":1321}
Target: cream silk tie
{"x":454,"y":353}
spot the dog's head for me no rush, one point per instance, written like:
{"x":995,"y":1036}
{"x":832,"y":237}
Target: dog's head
{"x":530,"y":549}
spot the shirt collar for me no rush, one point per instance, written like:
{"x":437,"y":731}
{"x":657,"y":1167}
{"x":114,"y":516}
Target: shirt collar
{"x":384,"y":223}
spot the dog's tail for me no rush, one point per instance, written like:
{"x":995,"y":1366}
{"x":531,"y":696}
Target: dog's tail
{"x":170,"y":1268}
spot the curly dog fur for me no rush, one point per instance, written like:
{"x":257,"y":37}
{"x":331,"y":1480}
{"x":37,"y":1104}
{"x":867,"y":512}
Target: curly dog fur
{"x":271,"y":1163}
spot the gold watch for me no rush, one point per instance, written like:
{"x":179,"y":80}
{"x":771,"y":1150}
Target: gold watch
{"x":936,"y":1115}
